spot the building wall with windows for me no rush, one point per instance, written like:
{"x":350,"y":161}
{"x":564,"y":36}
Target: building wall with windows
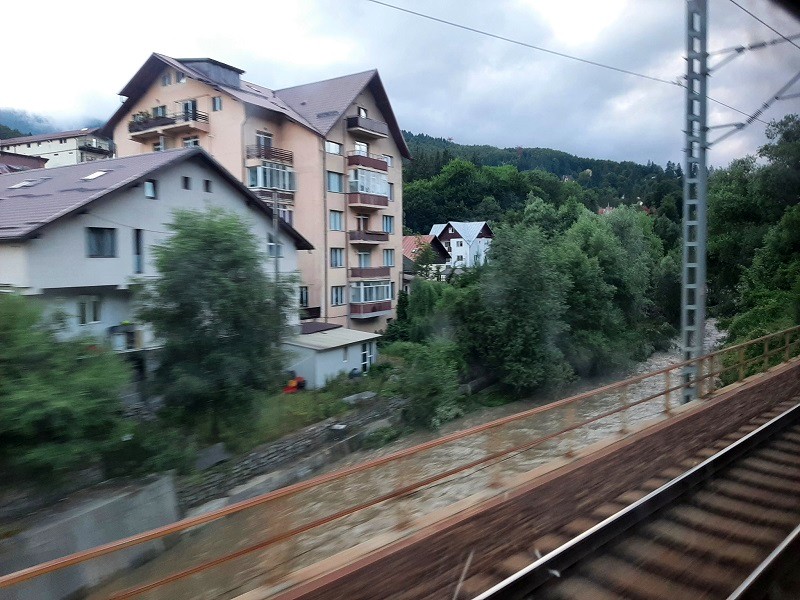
{"x":266,"y":147}
{"x":56,"y":265}
{"x":66,"y":148}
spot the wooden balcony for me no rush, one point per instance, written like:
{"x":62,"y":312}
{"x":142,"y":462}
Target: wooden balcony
{"x":367,"y":201}
{"x":181,"y":122}
{"x":369,"y":272}
{"x":363,"y":159}
{"x":370,"y":310}
{"x":364,"y":127}
{"x":270,"y":153}
{"x":367,"y":237}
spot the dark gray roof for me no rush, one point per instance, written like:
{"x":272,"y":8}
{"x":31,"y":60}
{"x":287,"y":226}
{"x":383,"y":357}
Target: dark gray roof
{"x":48,"y":136}
{"x":61,"y":191}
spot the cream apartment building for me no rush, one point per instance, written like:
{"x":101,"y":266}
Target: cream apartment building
{"x":328,"y":154}
{"x":62,"y":148}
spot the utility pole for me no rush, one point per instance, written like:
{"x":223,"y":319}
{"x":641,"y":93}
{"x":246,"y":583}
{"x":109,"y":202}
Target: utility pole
{"x":695,"y":193}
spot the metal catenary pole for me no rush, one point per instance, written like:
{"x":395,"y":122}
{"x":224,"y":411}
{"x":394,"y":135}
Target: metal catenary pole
{"x":695,"y":188}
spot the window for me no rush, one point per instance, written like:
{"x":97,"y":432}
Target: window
{"x":361,"y":148}
{"x":186,"y":182}
{"x":388,"y":158}
{"x":207,"y":185}
{"x":362,"y":222}
{"x":362,"y":112}
{"x":303,"y":296}
{"x":392,"y":290}
{"x":335,"y":182}
{"x":151,"y":188}
{"x":336,"y":220}
{"x":263,"y":139}
{"x":286,"y":212}
{"x":344,"y":353}
{"x":166,"y":79}
{"x":370,"y":291}
{"x":101,"y":242}
{"x":274,"y":247}
{"x":367,"y":355}
{"x":216,"y":103}
{"x":158,"y":147}
{"x":368,"y":182}
{"x":138,"y":251}
{"x":388,"y":224}
{"x":160,"y":111}
{"x":180,"y":77}
{"x":388,"y":257}
{"x":271,"y":175}
{"x":191,"y":142}
{"x":337,"y":257}
{"x":88,"y":310}
{"x":337,"y":295}
{"x":94,"y":175}
{"x":189,"y":108}
{"x":333,"y":147}
{"x":62,"y":141}
{"x":459,"y":243}
{"x":364,"y":259}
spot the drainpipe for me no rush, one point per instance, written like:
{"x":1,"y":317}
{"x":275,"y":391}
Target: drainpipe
{"x":325,"y":266}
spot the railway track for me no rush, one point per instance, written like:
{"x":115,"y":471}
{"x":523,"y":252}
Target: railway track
{"x":719,"y":525}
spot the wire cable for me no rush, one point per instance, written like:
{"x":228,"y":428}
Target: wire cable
{"x":767,"y":25}
{"x":593,"y":63}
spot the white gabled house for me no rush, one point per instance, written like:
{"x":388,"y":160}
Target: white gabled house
{"x":74,"y":237}
{"x":467,"y":242}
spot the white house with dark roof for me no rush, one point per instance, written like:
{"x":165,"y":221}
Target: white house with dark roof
{"x":75,"y":237}
{"x":61,"y":148}
{"x":328,"y":154}
{"x":467,"y":242}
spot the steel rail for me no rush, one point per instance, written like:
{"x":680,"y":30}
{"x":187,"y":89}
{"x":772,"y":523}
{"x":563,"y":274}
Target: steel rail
{"x":86,"y":555}
{"x":551,"y":565}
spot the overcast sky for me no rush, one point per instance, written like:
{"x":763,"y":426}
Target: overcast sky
{"x":74,"y":57}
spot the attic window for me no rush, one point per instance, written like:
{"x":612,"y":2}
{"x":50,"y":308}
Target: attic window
{"x":94,"y":175}
{"x":26,"y":183}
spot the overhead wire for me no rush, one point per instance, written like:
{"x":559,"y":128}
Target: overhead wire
{"x":593,"y":63}
{"x":765,"y":24}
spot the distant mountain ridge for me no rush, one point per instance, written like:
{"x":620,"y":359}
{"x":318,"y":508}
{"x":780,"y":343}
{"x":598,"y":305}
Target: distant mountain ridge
{"x":17,"y":123}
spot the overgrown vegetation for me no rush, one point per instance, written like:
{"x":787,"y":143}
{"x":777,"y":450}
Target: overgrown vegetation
{"x":59,"y":400}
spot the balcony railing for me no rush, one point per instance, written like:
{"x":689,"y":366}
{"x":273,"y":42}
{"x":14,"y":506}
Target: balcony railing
{"x":310,"y":312}
{"x":364,"y":159}
{"x":143,"y":124}
{"x":369,"y":272}
{"x":370,"y":309}
{"x":367,"y":127}
{"x":367,"y":237}
{"x":94,"y":145}
{"x":362,"y":200}
{"x":270,"y":153}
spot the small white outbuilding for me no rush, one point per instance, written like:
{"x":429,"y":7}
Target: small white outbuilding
{"x":322,"y":351}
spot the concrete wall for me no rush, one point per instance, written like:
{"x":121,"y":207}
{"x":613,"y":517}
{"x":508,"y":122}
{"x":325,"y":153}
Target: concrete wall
{"x":13,"y":266}
{"x":317,"y":367}
{"x":91,"y":524}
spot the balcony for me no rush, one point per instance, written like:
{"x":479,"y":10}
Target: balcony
{"x":363,"y":159}
{"x":266,"y":194}
{"x":310,"y":312}
{"x":181,"y":122}
{"x":98,"y":146}
{"x":369,"y":272}
{"x":367,"y":237}
{"x":368,"y":201}
{"x":370,"y":310}
{"x":131,"y":338}
{"x":364,"y":127}
{"x":270,"y":153}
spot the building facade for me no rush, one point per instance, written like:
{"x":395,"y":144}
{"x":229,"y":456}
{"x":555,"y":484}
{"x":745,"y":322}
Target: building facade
{"x":327,"y":154}
{"x":63,"y":148}
{"x":466,"y":242}
{"x":75,"y":238}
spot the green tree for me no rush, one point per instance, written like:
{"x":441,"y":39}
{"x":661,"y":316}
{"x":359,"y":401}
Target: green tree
{"x":221,"y":317}
{"x":59,"y":400}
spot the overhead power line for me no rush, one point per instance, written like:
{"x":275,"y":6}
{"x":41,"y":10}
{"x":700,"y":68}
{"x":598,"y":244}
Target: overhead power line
{"x":586,"y":61}
{"x":756,"y":45}
{"x":767,"y":25}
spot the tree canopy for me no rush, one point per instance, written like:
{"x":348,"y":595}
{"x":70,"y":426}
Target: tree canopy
{"x":221,"y":317}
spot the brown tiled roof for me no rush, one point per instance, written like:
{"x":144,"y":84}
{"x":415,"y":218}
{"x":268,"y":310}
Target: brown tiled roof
{"x":412,"y":243}
{"x":61,"y":191}
{"x":323,"y":103}
{"x":42,"y":137}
